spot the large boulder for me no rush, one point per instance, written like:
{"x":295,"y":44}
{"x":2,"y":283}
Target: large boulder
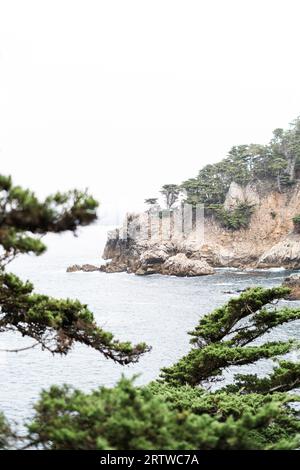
{"x":293,"y":283}
{"x":152,"y":260}
{"x":238,"y":194}
{"x":154,"y":256}
{"x":115,"y":266}
{"x":181,"y":265}
{"x":285,"y":253}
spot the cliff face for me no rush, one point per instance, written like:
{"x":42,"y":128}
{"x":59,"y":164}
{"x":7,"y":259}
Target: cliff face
{"x":269,"y":240}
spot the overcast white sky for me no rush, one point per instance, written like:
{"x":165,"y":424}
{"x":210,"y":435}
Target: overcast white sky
{"x":124,"y":96}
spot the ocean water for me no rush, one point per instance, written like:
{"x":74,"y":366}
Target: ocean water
{"x":159,"y":310}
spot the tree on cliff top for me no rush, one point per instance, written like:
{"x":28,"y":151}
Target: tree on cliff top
{"x":151,"y":201}
{"x":171,"y":193}
{"x":277,"y":162}
{"x":55,"y":324}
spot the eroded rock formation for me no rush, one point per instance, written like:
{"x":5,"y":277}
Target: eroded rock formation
{"x":270,"y":239}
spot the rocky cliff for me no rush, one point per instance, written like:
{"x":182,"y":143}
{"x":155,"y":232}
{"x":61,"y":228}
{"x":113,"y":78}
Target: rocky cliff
{"x":145,"y":247}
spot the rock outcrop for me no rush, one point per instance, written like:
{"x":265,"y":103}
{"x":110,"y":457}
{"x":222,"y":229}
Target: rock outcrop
{"x":152,"y":260}
{"x":87,"y":268}
{"x":293,"y":283}
{"x":180,"y":265}
{"x":144,"y":247}
{"x":238,"y":194}
{"x":157,"y":262}
{"x":284,"y":253}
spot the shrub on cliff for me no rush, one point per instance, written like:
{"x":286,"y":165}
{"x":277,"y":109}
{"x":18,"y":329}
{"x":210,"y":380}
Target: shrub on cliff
{"x":233,"y":219}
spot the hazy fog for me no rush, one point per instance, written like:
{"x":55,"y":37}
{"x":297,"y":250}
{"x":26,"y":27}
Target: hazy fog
{"x":123,"y":96}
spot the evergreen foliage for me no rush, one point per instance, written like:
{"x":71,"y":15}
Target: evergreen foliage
{"x":178,"y":411}
{"x":233,"y":219}
{"x":171,"y":193}
{"x":225,"y":338}
{"x":278,"y":163}
{"x":54,"y":323}
{"x":282,"y":431}
{"x":126,"y":417}
{"x":5,"y":433}
{"x":151,"y":201}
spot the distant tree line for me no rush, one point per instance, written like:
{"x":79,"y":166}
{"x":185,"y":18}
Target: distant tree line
{"x":277,"y":163}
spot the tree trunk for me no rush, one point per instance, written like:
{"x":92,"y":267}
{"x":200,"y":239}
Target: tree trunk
{"x":278,"y":183}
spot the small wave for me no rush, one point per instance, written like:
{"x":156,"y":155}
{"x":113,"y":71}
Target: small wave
{"x":227,"y":269}
{"x":272,"y":270}
{"x":265,"y":270}
{"x":223,"y":283}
